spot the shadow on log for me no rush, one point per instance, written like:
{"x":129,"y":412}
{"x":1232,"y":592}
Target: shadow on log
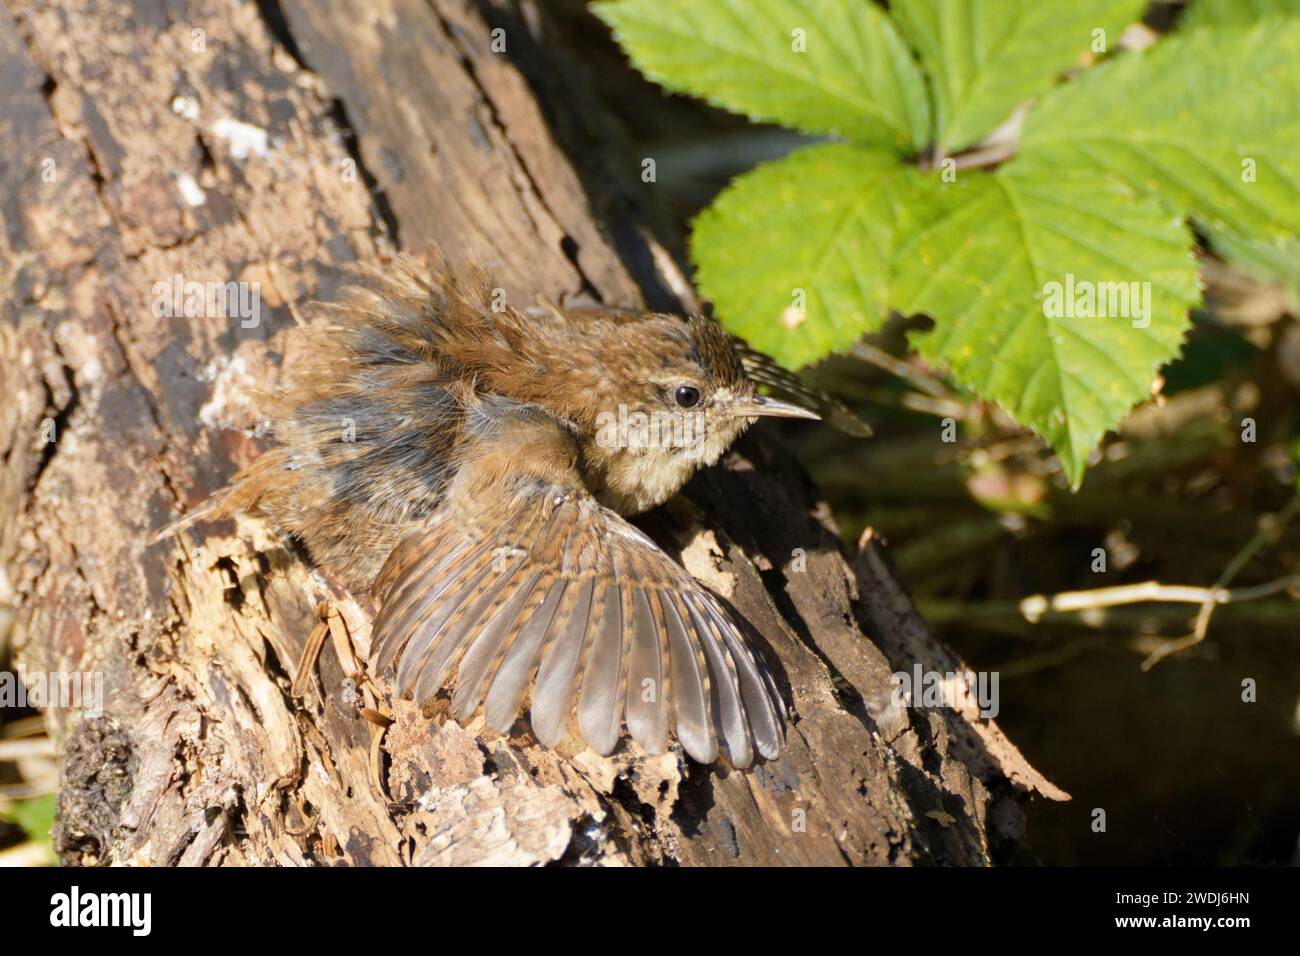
{"x":274,"y":145}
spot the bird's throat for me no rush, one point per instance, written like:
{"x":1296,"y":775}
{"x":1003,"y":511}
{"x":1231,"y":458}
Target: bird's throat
{"x":633,"y":481}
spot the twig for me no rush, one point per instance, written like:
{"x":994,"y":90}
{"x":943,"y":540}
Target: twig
{"x":24,"y":749}
{"x":1005,"y":617}
{"x":991,"y":155}
{"x":33,"y":726}
{"x":1268,"y":532}
{"x":1147,"y":592}
{"x":939,"y":408}
{"x":904,"y":370}
{"x":26,"y":855}
{"x":1036,"y":605}
{"x":26,"y":791}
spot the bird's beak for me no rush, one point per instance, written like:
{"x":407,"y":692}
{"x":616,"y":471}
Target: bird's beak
{"x":760,"y":406}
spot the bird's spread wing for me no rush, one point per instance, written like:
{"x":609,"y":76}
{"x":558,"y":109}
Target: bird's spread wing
{"x":540,"y":592}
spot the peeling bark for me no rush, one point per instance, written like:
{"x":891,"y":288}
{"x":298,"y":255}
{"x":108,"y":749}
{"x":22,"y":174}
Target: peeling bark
{"x":279,"y":145}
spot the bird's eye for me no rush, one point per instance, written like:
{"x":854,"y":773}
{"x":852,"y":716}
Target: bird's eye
{"x":687,"y":396}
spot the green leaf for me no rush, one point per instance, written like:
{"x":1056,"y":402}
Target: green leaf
{"x":1222,"y":13}
{"x":34,"y":816}
{"x":986,"y":56}
{"x":857,"y":231}
{"x":820,"y":221}
{"x":1206,"y":120}
{"x":983,"y":270}
{"x":854,"y":76}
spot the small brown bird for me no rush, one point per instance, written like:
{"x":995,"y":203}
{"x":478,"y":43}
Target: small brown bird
{"x":470,"y":465}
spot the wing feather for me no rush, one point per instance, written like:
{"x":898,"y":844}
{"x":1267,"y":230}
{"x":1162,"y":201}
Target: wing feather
{"x":599,"y":715}
{"x":646,"y":714}
{"x":689,"y":683}
{"x":517,"y":667}
{"x":485,"y":653}
{"x":729,"y":714}
{"x":763,"y":721}
{"x":553,"y":694}
{"x":449,"y":629}
{"x":388,"y":645}
{"x":429,"y":610}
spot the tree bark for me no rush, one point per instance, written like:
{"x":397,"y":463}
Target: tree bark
{"x":277,"y":144}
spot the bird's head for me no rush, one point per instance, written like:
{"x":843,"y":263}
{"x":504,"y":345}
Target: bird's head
{"x":677,"y":396}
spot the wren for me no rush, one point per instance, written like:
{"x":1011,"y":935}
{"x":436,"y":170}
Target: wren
{"x":471,"y":466}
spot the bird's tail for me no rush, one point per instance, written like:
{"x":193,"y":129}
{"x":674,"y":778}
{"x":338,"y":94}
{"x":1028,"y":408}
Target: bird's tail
{"x":209,"y":510}
{"x":241,"y":496}
{"x":172,"y":528}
